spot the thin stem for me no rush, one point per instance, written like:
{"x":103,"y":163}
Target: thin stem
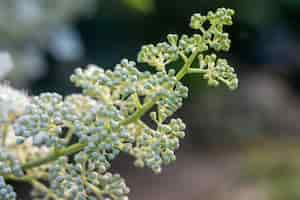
{"x":5,"y":129}
{"x":196,"y":71}
{"x":184,"y":70}
{"x":38,"y":185}
{"x":139,"y":113}
{"x":95,"y":190}
{"x":183,"y":56}
{"x":69,"y":134}
{"x":136,"y":100}
{"x":54,"y":155}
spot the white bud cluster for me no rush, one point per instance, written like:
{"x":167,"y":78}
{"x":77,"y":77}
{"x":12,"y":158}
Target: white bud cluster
{"x":212,"y":38}
{"x":84,"y":180}
{"x":214,"y":35}
{"x":6,"y":191}
{"x":218,"y":70}
{"x":9,"y":164}
{"x":158,"y":56}
{"x":12,"y":103}
{"x":43,"y":120}
{"x":154,"y":148}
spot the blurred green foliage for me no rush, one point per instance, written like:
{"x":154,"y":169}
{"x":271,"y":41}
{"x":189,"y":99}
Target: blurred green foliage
{"x":276,"y":168}
{"x":142,"y":6}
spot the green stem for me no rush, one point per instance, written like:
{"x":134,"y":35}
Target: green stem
{"x":5,"y":130}
{"x":38,"y":185}
{"x":184,"y":70}
{"x":95,"y":190}
{"x":133,"y":118}
{"x":69,"y":134}
{"x":136,"y":100}
{"x":139,"y":113}
{"x":196,"y":71}
{"x":54,"y":155}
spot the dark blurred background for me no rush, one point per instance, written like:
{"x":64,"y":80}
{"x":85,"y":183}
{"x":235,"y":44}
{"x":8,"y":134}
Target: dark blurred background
{"x":239,"y":145}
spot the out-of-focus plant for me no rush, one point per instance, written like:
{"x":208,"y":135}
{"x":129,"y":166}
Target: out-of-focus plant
{"x":6,"y":64}
{"x":70,"y":142}
{"x":275,"y":167}
{"x":143,"y":6}
{"x":28,"y":27}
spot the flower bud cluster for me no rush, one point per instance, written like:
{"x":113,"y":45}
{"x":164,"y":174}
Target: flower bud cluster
{"x":171,"y":102}
{"x":25,"y":152}
{"x":43,"y":120}
{"x":158,"y":56}
{"x":100,"y":129}
{"x":214,"y":35}
{"x":109,"y":86}
{"x":167,"y":92}
{"x":9,"y":164}
{"x":119,"y":86}
{"x":218,"y":70}
{"x":83,"y":180}
{"x":154,"y":148}
{"x":212,"y":38}
{"x":6,"y":191}
{"x":65,"y":181}
{"x":159,"y":84}
{"x":191,"y":44}
{"x":12,"y":103}
{"x":102,"y":132}
{"x":163,"y":53}
{"x":80,"y":106}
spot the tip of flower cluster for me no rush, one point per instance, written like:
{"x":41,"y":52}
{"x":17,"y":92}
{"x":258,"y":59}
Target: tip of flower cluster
{"x":12,"y":102}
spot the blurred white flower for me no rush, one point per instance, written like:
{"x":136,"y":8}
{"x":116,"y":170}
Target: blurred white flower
{"x":65,"y":44}
{"x":41,"y":25}
{"x":6,"y":64}
{"x":12,"y":103}
{"x":30,"y":62}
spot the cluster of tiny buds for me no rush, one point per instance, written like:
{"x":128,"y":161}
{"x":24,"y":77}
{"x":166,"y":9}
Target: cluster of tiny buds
{"x":43,"y":120}
{"x":12,"y":103}
{"x":104,"y":85}
{"x":218,"y":70}
{"x":116,"y":86}
{"x":6,"y":191}
{"x":158,"y":56}
{"x":9,"y":164}
{"x":214,"y":35}
{"x":76,"y":181}
{"x":156,"y":147}
{"x":171,"y":102}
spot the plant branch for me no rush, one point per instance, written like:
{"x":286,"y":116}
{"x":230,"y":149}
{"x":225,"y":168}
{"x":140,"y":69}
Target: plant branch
{"x":133,"y":118}
{"x":54,"y":155}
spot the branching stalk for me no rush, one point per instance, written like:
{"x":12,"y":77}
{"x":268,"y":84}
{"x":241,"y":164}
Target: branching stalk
{"x":133,"y":118}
